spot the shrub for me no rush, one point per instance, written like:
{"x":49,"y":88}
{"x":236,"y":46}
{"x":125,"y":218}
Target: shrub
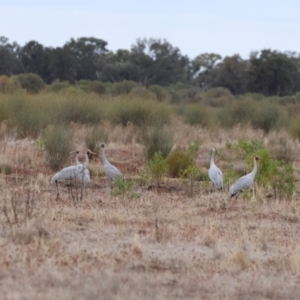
{"x":157,"y":139}
{"x":95,"y":135}
{"x":58,"y":144}
{"x":8,"y":85}
{"x":197,"y":115}
{"x":159,"y":92}
{"x":57,"y":86}
{"x":97,"y":87}
{"x":295,"y":128}
{"x":157,"y":167}
{"x":266,"y":117}
{"x":124,"y":87}
{"x":32,"y":83}
{"x":237,"y":112}
{"x":178,"y":161}
{"x":141,"y":92}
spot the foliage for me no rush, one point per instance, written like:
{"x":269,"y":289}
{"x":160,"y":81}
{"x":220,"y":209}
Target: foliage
{"x":157,"y":138}
{"x":157,"y":167}
{"x":8,"y":85}
{"x":97,"y":87}
{"x":58,"y":144}
{"x":197,"y":115}
{"x":266,"y":116}
{"x":121,"y":186}
{"x":95,"y":135}
{"x":32,"y":83}
{"x":159,"y":92}
{"x":57,"y":86}
{"x":124,"y":87}
{"x":282,"y":179}
{"x":178,"y":161}
{"x":295,"y":128}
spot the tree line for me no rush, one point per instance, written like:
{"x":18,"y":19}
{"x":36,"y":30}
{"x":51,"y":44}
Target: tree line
{"x":153,"y":62}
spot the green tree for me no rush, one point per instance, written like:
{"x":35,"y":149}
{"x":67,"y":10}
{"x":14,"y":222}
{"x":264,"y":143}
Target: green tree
{"x":273,"y":73}
{"x":231,"y":74}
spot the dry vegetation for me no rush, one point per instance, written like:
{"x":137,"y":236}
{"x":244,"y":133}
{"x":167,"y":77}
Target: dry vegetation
{"x":156,"y":245}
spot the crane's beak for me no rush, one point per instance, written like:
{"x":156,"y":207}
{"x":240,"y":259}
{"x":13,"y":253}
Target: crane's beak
{"x":93,"y":153}
{"x":73,"y":152}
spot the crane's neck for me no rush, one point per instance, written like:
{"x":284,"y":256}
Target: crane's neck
{"x":105,"y":161}
{"x":77,"y":159}
{"x":212,"y":158}
{"x":86,"y":163}
{"x":254,"y":168}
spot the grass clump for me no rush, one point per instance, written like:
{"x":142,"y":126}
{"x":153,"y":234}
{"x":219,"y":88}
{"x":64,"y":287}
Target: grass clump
{"x":157,"y":167}
{"x":157,"y":138}
{"x":178,"y":161}
{"x":197,"y":115}
{"x":58,"y":144}
{"x":95,"y":135}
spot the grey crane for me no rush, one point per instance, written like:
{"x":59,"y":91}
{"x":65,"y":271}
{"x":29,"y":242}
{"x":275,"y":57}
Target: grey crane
{"x":244,"y":182}
{"x":110,"y":170}
{"x":85,"y":176}
{"x":68,"y":173}
{"x":214,"y":173}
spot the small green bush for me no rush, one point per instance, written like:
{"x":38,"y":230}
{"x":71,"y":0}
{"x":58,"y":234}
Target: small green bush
{"x":160,"y":93}
{"x":8,"y":85}
{"x":32,"y":83}
{"x":178,"y":161}
{"x":141,"y":92}
{"x":157,"y":138}
{"x":266,"y":117}
{"x":57,"y":86}
{"x":157,"y":167}
{"x":124,"y":87}
{"x":58,"y":144}
{"x":197,"y":115}
{"x":237,"y":112}
{"x":295,"y":128}
{"x":97,"y":87}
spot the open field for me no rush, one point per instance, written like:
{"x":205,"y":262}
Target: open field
{"x":158,"y":245}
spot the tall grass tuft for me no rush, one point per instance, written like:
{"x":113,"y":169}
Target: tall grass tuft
{"x":58,"y":144}
{"x":157,"y":138}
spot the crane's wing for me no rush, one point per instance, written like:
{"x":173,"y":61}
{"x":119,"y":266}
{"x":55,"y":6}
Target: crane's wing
{"x":67,"y":173}
{"x":85,"y":177}
{"x":242,"y":183}
{"x":112,"y":172}
{"x":216,"y":176}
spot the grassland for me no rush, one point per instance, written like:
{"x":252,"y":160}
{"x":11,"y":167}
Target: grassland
{"x":156,"y":245}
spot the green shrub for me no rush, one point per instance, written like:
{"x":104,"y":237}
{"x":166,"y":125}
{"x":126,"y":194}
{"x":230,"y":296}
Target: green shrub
{"x":141,"y":92}
{"x":95,"y":135}
{"x":237,"y":112}
{"x":160,"y":93}
{"x":266,"y":117}
{"x":197,"y":115}
{"x":124,"y":87}
{"x":58,"y":144}
{"x":178,"y":161}
{"x":32,"y":83}
{"x":295,"y":128}
{"x":8,"y":85}
{"x":57,"y":86}
{"x":122,"y":186}
{"x":157,"y":138}
{"x":97,"y":87}
{"x":157,"y":167}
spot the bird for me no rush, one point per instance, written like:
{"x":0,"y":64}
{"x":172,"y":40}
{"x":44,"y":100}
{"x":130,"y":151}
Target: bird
{"x":244,"y":182}
{"x":110,"y":170}
{"x":68,"y":173}
{"x":85,"y":176}
{"x":214,"y":173}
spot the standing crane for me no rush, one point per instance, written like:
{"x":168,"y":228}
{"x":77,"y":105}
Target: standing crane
{"x":68,"y":173}
{"x":110,"y":170}
{"x":214,"y":173}
{"x":85,"y":176}
{"x":244,"y":182}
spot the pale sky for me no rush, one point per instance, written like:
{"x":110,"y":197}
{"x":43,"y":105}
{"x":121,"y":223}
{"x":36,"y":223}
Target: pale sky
{"x":194,"y":26}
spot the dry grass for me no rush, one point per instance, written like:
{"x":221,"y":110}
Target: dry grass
{"x":157,"y":246}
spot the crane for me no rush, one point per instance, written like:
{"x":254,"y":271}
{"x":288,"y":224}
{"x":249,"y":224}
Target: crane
{"x":85,"y":176}
{"x":244,"y":182}
{"x":68,"y":173}
{"x":214,"y":173}
{"x":110,"y":170}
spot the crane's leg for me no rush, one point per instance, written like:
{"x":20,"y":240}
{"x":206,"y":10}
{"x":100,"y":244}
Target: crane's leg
{"x":238,"y":194}
{"x":56,"y":183}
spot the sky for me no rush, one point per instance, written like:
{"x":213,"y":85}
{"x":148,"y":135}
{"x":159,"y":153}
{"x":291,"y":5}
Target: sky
{"x":194,"y":26}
